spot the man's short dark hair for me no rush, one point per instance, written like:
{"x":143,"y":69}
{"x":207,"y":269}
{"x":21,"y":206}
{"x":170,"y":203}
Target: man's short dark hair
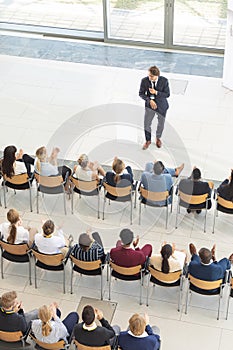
{"x":158,"y":167}
{"x":205,"y":255}
{"x":196,"y":174}
{"x":154,"y":71}
{"x":88,"y":315}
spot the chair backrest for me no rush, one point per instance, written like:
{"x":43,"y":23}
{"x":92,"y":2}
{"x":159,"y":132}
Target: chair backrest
{"x":128,"y":271}
{"x":211,"y":184}
{"x":207,"y":285}
{"x":224,"y":203}
{"x":52,"y":346}
{"x":118,"y":191}
{"x":193,"y":199}
{"x":16,"y":249}
{"x":17,"y":179}
{"x":85,"y":347}
{"x":165,"y":277}
{"x":154,"y":196}
{"x":49,"y":259}
{"x":86,"y":265}
{"x":49,"y":181}
{"x":11,"y":337}
{"x":85,"y":186}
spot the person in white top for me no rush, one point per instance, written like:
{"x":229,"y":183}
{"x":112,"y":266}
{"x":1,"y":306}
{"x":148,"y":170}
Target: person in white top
{"x":86,"y":170}
{"x":49,"y":328}
{"x":48,"y":166}
{"x":16,"y":163}
{"x":13,"y":231}
{"x":169,"y":260}
{"x":48,"y":243}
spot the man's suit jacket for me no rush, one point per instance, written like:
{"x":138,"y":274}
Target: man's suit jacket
{"x":161,"y":98}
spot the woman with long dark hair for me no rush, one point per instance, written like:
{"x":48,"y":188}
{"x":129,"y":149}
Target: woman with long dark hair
{"x":225,"y":190}
{"x":16,"y":163}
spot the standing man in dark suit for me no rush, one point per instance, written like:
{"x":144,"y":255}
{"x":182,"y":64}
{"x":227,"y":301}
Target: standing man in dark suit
{"x":154,"y":89}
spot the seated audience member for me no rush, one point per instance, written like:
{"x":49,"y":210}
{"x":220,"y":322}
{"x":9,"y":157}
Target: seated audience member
{"x":120,"y":176}
{"x":16,"y":163}
{"x":158,"y":181}
{"x":88,"y":333}
{"x":140,"y":335}
{"x":125,"y":256}
{"x":169,"y":260}
{"x":89,"y":247}
{"x":48,"y":243}
{"x":13,"y":231}
{"x":195,"y":186}
{"x":204,"y":266}
{"x":86,"y":170}
{"x":12,"y":316}
{"x":49,"y":328}
{"x":225,"y":190}
{"x":172,"y":171}
{"x":47,"y":166}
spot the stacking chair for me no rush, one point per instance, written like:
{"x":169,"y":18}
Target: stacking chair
{"x":85,"y":347}
{"x":223,"y":203}
{"x":188,"y":199}
{"x":127,"y":274}
{"x":51,"y":262}
{"x":155,"y":197}
{"x":60,"y":345}
{"x":50,"y":185}
{"x":85,"y":188}
{"x":206,"y":286}
{"x":89,"y":268}
{"x":121,"y":194}
{"x":22,"y":180}
{"x":13,"y":337}
{"x":19,"y":253}
{"x":230,"y":295}
{"x":165,"y":280}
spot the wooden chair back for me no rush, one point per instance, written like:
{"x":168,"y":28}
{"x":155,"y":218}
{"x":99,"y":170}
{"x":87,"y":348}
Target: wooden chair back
{"x":11,"y":337}
{"x":17,"y":179}
{"x":85,"y":347}
{"x":16,"y":249}
{"x":118,"y":191}
{"x":224,"y":203}
{"x":85,"y":186}
{"x":207,"y":285}
{"x":49,"y":181}
{"x":52,"y":346}
{"x":128,"y":271}
{"x":154,"y":196}
{"x":86,"y":265}
{"x":165,"y":277}
{"x":193,"y":199}
{"x":49,"y":259}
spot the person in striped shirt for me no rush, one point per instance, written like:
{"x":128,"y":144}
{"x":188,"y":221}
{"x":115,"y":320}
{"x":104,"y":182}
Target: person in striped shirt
{"x":89,"y":247}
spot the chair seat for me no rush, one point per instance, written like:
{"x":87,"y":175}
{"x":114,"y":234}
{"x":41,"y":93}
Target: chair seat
{"x":153,"y":204}
{"x":204,"y":291}
{"x":15,"y":258}
{"x":126,"y":277}
{"x":84,"y":193}
{"x":51,"y":190}
{"x":164,"y":284}
{"x":49,"y":267}
{"x":87,"y":272}
{"x":118,"y":199}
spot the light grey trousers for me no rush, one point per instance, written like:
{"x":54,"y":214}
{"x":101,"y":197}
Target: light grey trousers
{"x":148,"y":118}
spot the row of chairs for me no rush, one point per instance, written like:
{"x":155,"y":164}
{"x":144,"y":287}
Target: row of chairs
{"x":57,"y":262}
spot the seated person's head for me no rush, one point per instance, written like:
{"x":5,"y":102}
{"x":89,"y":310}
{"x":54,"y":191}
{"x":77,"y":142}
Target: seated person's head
{"x":88,"y":315}
{"x":83,"y":161}
{"x":45,"y":316}
{"x":85,"y":241}
{"x":41,"y":153}
{"x":205,"y":255}
{"x":158,"y":167}
{"x":137,"y":324}
{"x":166,"y":252}
{"x":196,"y":174}
{"x":126,"y":236}
{"x":9,"y":300}
{"x":118,"y":166}
{"x":48,"y":228}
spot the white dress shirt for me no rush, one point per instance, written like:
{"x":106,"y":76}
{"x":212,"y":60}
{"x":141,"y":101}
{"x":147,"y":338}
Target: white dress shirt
{"x":58,"y":331}
{"x":50,"y":245}
{"x":22,"y":234}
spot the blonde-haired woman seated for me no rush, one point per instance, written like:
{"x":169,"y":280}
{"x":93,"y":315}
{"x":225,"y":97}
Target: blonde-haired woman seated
{"x":140,"y":335}
{"x":49,"y":328}
{"x":13,"y":231}
{"x":86,"y":170}
{"x":48,"y":166}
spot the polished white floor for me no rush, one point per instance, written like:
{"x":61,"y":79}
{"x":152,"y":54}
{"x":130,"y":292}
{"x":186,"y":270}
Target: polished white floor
{"x":96,"y":110}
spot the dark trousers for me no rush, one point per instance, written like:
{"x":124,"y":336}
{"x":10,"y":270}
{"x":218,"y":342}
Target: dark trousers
{"x":70,"y":320}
